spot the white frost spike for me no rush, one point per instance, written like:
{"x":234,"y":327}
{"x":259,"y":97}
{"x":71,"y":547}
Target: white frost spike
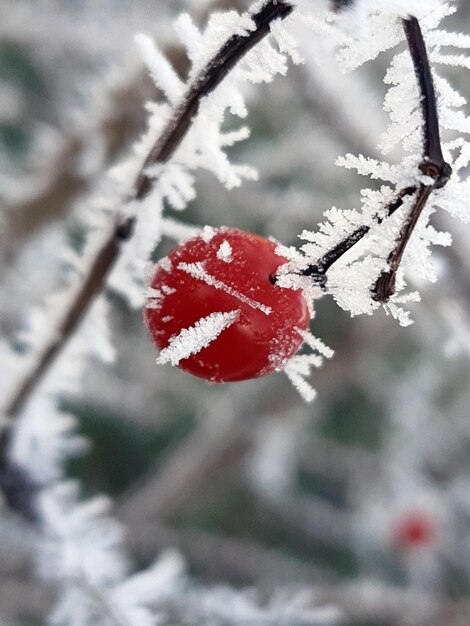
{"x":299,"y":368}
{"x":190,"y":36}
{"x":207,"y":234}
{"x":193,"y":339}
{"x":398,"y":313}
{"x":179,"y":231}
{"x":286,"y":42}
{"x":160,"y":69}
{"x":304,"y":388}
{"x":370,"y":167}
{"x":404,"y":8}
{"x":197,"y":271}
{"x":225,"y":252}
{"x":135,"y":596}
{"x":316,"y":344}
{"x":153,"y":294}
{"x":235,"y":136}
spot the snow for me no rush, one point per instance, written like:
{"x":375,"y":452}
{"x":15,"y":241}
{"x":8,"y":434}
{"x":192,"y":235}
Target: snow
{"x":299,"y":368}
{"x":197,"y":270}
{"x":193,"y":339}
{"x":160,"y":69}
{"x":225,"y":252}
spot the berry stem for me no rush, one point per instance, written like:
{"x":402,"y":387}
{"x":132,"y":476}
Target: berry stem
{"x":320,"y":269}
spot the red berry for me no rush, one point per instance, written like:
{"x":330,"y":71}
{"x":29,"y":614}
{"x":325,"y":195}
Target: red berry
{"x":220,"y":285}
{"x":414,"y":530}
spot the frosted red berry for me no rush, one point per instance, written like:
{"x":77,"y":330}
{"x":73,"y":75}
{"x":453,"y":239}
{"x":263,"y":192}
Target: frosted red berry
{"x":414,"y":529}
{"x":224,"y":278}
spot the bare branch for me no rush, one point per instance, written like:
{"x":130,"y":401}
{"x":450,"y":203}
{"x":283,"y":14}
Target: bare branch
{"x":384,"y":287}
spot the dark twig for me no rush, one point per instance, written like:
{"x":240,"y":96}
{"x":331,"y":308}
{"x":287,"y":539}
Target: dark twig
{"x":433,"y":165}
{"x":384,"y":287}
{"x":320,"y":269}
{"x":432,"y":149}
{"x":210,"y":77}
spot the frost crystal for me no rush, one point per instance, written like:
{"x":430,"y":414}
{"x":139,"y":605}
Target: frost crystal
{"x":225,"y":252}
{"x":197,"y":271}
{"x":193,"y":339}
{"x":299,"y":368}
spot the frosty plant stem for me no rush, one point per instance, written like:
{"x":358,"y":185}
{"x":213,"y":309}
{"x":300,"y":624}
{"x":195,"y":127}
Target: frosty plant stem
{"x":432,"y":165}
{"x":210,"y":77}
{"x":319,"y":271}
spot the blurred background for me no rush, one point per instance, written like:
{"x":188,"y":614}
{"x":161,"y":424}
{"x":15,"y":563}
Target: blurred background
{"x":362,"y":496}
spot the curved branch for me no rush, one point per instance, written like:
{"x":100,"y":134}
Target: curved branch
{"x":432,"y":165}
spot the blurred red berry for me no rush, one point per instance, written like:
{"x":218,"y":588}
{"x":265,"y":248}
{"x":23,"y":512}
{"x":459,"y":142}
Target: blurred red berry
{"x":414,"y":529}
{"x":220,"y":284}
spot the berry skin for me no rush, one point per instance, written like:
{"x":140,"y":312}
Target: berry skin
{"x":414,"y":530}
{"x":220,"y":285}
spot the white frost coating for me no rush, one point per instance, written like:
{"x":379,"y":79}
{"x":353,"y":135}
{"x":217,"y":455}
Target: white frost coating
{"x":193,"y":339}
{"x":220,"y":27}
{"x":160,"y":69}
{"x":207,"y":234}
{"x":153,"y":298}
{"x":304,"y":388}
{"x":372,"y":29}
{"x":225,"y":252}
{"x":300,"y":366}
{"x":165,"y":264}
{"x":197,"y":271}
{"x":316,"y":344}
{"x":404,"y":8}
{"x":153,"y":294}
